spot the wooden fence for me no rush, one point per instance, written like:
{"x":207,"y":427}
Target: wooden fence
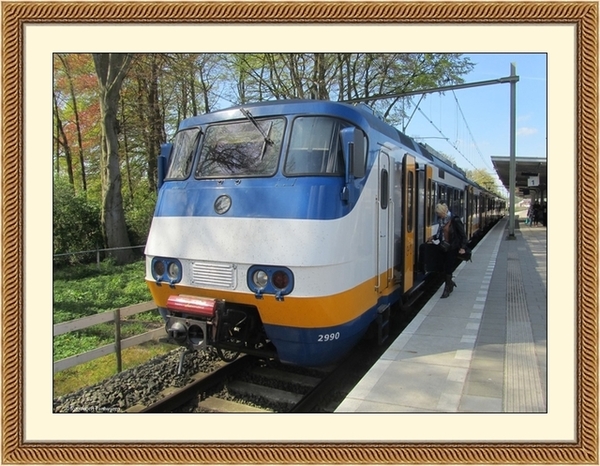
{"x":110,"y":316}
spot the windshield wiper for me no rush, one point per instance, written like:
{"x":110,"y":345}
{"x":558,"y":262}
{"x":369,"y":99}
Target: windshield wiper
{"x":265,"y":136}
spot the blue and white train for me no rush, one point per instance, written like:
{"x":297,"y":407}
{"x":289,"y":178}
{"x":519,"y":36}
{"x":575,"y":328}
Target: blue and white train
{"x":286,"y":229}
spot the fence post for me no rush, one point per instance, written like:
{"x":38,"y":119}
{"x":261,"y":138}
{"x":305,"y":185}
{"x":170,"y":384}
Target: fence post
{"x":98,"y":256}
{"x":117,"y":318}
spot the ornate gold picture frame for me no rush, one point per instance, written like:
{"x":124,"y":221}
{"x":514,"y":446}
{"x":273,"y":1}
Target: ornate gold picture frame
{"x":584,"y":17}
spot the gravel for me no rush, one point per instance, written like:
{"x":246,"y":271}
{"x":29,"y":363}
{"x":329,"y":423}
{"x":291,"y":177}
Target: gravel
{"x":140,"y":385}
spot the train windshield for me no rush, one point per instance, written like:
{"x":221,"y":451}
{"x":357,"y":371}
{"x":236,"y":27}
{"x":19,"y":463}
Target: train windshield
{"x":315,"y":147}
{"x":247,"y":148}
{"x":183,"y":154}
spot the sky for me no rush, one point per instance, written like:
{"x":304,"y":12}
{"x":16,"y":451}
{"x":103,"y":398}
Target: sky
{"x":479,"y":124}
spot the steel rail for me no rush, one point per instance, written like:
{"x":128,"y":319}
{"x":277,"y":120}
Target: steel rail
{"x":176,"y":399}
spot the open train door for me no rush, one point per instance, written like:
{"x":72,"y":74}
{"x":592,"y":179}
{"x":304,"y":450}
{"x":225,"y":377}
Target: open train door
{"x":385,"y":236}
{"x":429,"y":207}
{"x":408,"y":220}
{"x":469,"y":214}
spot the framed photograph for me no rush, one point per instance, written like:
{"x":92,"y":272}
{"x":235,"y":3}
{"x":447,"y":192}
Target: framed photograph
{"x":33,"y":31}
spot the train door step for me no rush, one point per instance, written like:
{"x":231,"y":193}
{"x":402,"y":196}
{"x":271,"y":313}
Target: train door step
{"x":383,"y":323}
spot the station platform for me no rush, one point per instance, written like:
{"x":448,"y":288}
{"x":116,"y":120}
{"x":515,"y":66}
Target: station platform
{"x":482,"y":349}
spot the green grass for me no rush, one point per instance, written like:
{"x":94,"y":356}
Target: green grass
{"x":84,"y":290}
{"x":89,"y":373}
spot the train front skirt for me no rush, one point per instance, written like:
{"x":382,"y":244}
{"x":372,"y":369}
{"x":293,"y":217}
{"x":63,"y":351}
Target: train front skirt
{"x":317,"y":346}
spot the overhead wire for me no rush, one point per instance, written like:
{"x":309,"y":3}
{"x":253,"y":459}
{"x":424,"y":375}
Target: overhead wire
{"x":454,"y":144}
{"x":459,"y":108}
{"x":446,"y":137}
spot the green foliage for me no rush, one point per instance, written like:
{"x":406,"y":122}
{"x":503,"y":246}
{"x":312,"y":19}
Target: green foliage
{"x":70,"y":344}
{"x":138,"y":216}
{"x":76,"y":221}
{"x":484,"y":179}
{"x":85,"y":290}
{"x":162,"y":89}
{"x":90,"y":373}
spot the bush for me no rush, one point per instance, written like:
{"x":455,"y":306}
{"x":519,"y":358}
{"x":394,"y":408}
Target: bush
{"x":138,"y":217}
{"x":76,"y":223}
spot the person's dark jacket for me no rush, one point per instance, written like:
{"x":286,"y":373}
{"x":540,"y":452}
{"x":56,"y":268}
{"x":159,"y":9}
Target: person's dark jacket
{"x":458,"y":237}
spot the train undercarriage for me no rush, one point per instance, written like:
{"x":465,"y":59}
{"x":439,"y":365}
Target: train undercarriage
{"x":230,"y":329}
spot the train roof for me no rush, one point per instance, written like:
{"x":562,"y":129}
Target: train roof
{"x":356,"y":113}
{"x":360,"y":114}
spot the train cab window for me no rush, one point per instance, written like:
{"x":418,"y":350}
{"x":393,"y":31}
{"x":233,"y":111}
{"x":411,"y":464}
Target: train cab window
{"x":184,"y":147}
{"x":315,"y":147}
{"x":242,"y":148}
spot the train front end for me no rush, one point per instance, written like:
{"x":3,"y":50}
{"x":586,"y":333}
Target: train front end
{"x":255,"y":245}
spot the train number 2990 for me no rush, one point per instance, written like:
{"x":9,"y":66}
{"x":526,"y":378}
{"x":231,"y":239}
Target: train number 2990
{"x":328,"y":337}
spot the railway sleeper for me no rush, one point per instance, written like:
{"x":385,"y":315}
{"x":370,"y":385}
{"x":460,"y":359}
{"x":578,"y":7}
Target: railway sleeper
{"x":298,"y":382}
{"x":259,"y":392}
{"x":219,"y":405}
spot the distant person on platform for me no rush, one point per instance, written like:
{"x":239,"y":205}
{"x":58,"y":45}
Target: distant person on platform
{"x":537,"y":214}
{"x":451,"y":240}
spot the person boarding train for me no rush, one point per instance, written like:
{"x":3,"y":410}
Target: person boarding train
{"x":451,"y":240}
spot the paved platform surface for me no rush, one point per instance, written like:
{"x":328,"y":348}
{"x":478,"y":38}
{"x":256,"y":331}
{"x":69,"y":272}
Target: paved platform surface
{"x":483,"y":349}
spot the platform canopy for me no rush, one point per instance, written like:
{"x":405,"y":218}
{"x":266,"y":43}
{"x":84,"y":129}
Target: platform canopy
{"x":531,"y":175}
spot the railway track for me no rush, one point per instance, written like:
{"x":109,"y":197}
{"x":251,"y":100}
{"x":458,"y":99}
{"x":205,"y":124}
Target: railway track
{"x":175,"y":398}
{"x":251,"y":385}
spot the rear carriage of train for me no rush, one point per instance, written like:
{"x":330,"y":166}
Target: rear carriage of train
{"x":279,"y":229}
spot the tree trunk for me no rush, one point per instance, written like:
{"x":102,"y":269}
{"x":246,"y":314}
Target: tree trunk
{"x":111,"y":69}
{"x":62,"y":140}
{"x":77,"y":124}
{"x":319,"y":77}
{"x":157,"y":134}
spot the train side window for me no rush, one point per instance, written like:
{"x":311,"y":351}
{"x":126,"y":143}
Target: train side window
{"x":363,"y":169}
{"x":429,"y":201}
{"x":385,"y":189}
{"x":315,"y":148}
{"x":434,"y":202}
{"x":184,"y":147}
{"x":409,"y":202}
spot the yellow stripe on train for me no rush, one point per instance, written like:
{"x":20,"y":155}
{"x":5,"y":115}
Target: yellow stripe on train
{"x":303,"y":312}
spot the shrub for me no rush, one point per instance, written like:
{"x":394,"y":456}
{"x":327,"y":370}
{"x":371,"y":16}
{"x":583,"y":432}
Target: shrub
{"x":76,"y":223}
{"x":138,"y":217}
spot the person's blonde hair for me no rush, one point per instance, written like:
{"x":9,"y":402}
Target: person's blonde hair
{"x":441,"y":209}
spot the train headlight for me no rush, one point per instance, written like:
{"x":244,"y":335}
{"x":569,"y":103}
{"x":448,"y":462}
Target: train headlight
{"x":174,"y":271}
{"x":281,"y":280}
{"x":266,"y":279}
{"x":260,"y":278}
{"x":166,"y":270}
{"x":158,"y":269}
